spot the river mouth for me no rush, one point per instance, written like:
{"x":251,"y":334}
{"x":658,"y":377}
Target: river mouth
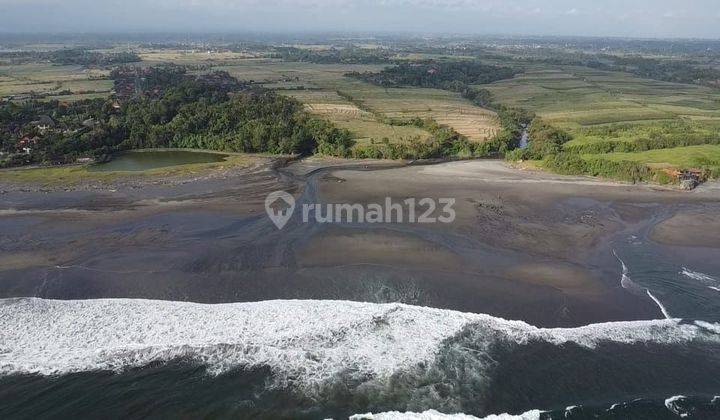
{"x":572,"y":258}
{"x":137,"y":161}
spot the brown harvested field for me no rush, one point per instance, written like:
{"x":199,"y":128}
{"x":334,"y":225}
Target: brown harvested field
{"x":332,"y":110}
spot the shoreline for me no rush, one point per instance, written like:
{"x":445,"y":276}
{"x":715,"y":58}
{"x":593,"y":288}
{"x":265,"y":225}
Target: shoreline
{"x":320,"y":163}
{"x":537,"y":250}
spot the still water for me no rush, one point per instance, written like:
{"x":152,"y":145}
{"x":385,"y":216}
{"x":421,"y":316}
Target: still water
{"x":142,"y":161}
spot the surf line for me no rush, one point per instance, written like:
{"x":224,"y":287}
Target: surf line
{"x":664,"y":311}
{"x":625,"y":283}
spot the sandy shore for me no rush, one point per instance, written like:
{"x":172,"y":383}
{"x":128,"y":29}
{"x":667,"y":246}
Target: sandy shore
{"x":525,"y":245}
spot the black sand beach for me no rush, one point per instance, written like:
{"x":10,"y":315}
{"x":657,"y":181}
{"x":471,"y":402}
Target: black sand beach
{"x":525,"y":245}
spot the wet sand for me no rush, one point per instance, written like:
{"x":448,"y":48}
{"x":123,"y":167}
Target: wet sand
{"x":525,"y":245}
{"x":689,"y":228}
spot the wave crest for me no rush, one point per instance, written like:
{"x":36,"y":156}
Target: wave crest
{"x":307,"y":344}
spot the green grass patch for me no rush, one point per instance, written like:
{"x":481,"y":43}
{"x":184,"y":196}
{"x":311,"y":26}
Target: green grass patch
{"x":701,"y":157}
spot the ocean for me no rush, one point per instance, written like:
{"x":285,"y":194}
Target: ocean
{"x":310,"y":359}
{"x":316,"y":359}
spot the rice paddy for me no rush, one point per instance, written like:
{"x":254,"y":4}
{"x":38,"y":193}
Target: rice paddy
{"x":317,"y":85}
{"x":54,"y":81}
{"x":594,"y":106}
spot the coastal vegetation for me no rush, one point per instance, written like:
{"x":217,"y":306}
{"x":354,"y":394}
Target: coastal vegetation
{"x":392,"y":100}
{"x":171,"y":109}
{"x":590,"y":122}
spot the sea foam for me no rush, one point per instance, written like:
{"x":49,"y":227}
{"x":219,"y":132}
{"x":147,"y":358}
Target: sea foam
{"x":709,"y":281}
{"x":435,"y":415}
{"x":305,"y":343}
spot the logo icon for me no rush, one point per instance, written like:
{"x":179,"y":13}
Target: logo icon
{"x":279,"y":206}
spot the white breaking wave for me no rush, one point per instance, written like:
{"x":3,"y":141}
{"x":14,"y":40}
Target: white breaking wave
{"x":663,"y":309}
{"x":709,"y":281}
{"x":435,"y":415}
{"x":625,"y":281}
{"x":672,"y":405}
{"x":630,"y":285}
{"x":305,"y":343}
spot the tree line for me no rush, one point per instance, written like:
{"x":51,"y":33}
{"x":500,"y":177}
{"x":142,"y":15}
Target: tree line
{"x":72,"y":56}
{"x":350,"y":55}
{"x":189,"y":111}
{"x":455,"y":76}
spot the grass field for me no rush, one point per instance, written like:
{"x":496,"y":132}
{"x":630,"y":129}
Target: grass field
{"x":707,"y":156}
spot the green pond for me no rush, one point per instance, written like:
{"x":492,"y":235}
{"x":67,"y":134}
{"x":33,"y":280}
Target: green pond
{"x":143,"y":161}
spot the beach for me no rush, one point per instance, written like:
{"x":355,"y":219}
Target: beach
{"x":525,"y":245}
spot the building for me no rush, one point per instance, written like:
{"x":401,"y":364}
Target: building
{"x":25,"y":144}
{"x":44,"y":122}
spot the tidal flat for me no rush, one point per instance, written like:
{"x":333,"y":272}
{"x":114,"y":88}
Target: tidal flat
{"x":531,"y":246}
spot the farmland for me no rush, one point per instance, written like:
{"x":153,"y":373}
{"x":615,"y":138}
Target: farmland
{"x":575,"y":97}
{"x":615,"y":116}
{"x":360,"y":107}
{"x":54,"y":81}
{"x":607,"y":114}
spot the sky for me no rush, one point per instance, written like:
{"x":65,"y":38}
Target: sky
{"x":625,"y":18}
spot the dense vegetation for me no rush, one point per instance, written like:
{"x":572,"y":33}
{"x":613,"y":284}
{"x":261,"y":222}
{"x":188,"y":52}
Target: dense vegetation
{"x":548,"y":145}
{"x":70,"y":56}
{"x":624,"y":137}
{"x":445,"y":142}
{"x":666,"y":70}
{"x":213,"y":112}
{"x":553,"y":148}
{"x":545,"y":140}
{"x":350,"y":55}
{"x":91,"y":58}
{"x":455,"y":76}
{"x":574,"y":164}
{"x":608,"y":125}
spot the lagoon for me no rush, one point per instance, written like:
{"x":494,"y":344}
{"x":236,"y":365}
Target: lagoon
{"x":145,"y":160}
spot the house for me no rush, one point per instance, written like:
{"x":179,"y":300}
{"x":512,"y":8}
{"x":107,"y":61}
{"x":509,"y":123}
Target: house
{"x":26,"y":143}
{"x":44,"y":122}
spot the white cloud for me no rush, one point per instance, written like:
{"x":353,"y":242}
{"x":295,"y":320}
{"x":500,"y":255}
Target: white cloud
{"x":572,"y":12}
